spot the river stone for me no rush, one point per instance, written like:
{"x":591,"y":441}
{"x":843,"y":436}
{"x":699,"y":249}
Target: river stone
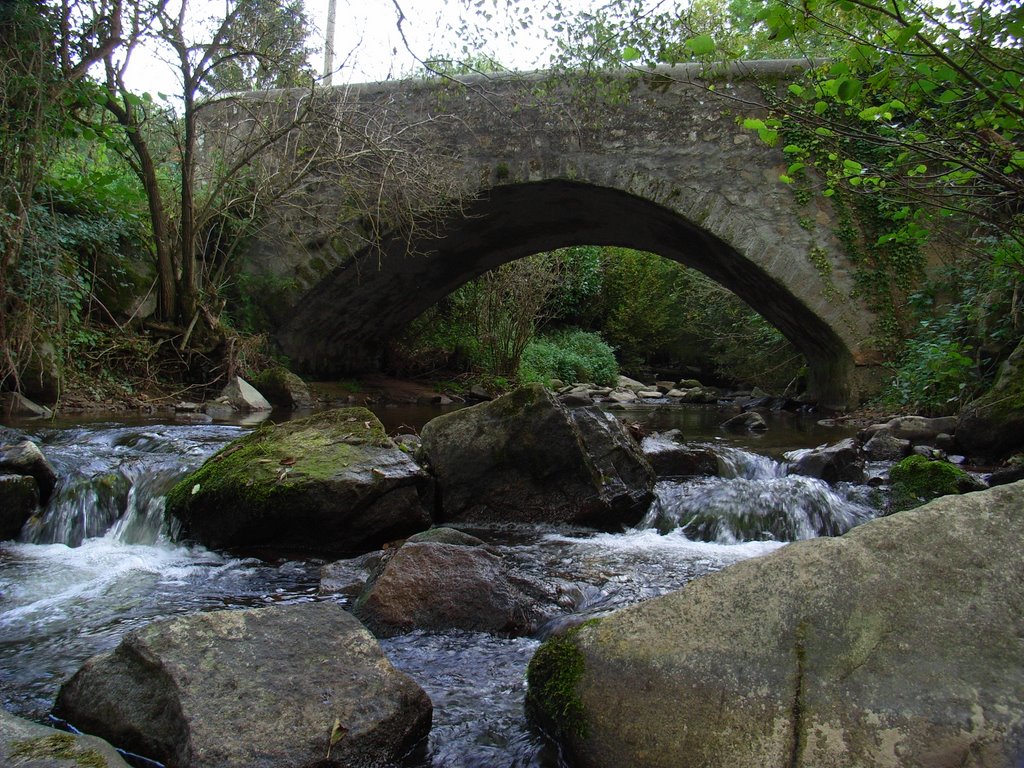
{"x":993,"y":425}
{"x":751,"y":421}
{"x":25,"y":458}
{"x":256,"y":688}
{"x":669,"y":458}
{"x":29,"y":745}
{"x":282,"y":387}
{"x":330,"y":483}
{"x":436,"y":586}
{"x":525,"y":457}
{"x":886,"y":447}
{"x":897,"y":644}
{"x":835,"y":463}
{"x":16,"y":404}
{"x":243,"y":396}
{"x":918,"y":479}
{"x":19,"y":499}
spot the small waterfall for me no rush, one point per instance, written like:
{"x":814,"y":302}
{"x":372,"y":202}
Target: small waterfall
{"x":754,"y":500}
{"x":113,"y":482}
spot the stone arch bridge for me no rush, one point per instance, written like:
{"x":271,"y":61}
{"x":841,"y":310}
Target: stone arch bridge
{"x":658,"y":162}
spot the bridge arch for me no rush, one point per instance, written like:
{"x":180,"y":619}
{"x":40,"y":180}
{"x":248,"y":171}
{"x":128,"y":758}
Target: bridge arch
{"x":340,"y":324}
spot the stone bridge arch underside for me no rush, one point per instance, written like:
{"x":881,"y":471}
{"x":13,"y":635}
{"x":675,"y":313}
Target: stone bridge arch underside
{"x":668,"y":169}
{"x":340,"y":325}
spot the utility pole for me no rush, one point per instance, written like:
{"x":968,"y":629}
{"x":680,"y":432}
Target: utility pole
{"x":332,"y":8}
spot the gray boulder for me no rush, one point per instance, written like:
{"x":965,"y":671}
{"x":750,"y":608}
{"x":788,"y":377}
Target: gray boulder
{"x":296,"y":685}
{"x":438,"y":586}
{"x":895,"y":645}
{"x":29,"y":745}
{"x":751,"y":421}
{"x":330,"y":483}
{"x":16,"y":404}
{"x":886,"y":447}
{"x":525,"y":457}
{"x":19,"y":499}
{"x":840,"y":462}
{"x":25,"y":458}
{"x":670,"y":458}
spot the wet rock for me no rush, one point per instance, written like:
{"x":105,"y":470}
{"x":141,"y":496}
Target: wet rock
{"x":282,"y":387}
{"x":30,"y":745}
{"x":19,"y":499}
{"x":575,"y":399}
{"x":16,"y":404}
{"x":751,"y":421}
{"x":243,"y":688}
{"x":244,"y":397}
{"x":330,"y":483}
{"x":25,"y":458}
{"x":623,"y":396}
{"x":525,"y":457}
{"x":897,"y":644}
{"x":917,"y":479}
{"x":886,"y":447}
{"x":671,"y":458}
{"x":841,"y":462}
{"x":1006,"y":476}
{"x":436,"y":586}
{"x":445,"y":535}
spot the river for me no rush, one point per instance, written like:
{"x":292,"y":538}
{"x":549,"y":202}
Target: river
{"x":103,"y":560}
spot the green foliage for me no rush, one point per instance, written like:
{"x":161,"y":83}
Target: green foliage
{"x":571,"y":356}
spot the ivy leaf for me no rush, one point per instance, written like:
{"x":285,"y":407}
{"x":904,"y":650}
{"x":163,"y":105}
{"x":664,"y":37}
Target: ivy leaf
{"x":629,"y":53}
{"x":701,"y":45}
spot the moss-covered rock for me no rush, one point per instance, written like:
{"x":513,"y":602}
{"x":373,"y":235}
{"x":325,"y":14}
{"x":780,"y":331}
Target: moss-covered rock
{"x":24,"y":743}
{"x":993,"y":425}
{"x":282,"y":387}
{"x":330,"y":483}
{"x":895,"y":645}
{"x":553,"y":676}
{"x":916,"y":480}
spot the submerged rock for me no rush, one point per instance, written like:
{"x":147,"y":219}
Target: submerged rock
{"x":433,"y":585}
{"x":895,"y":645}
{"x":670,"y":458}
{"x":298,"y":685}
{"x":525,"y":457}
{"x":28,"y":744}
{"x":832,"y":463}
{"x":751,"y":421}
{"x":329,"y":483}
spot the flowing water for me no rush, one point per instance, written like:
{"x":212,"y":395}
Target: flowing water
{"x":103,"y":560}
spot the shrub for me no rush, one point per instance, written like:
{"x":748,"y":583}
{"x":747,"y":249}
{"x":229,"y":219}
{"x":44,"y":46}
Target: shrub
{"x":570,"y":355}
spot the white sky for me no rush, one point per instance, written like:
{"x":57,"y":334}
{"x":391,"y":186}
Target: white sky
{"x":368,"y":45}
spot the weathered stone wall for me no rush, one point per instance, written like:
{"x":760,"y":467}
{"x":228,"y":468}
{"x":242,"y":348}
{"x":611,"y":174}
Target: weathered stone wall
{"x":657,"y":162}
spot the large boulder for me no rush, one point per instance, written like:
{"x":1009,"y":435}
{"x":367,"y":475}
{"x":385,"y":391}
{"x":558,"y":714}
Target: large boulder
{"x":669,"y":457}
{"x":839,"y":462}
{"x":296,"y":685}
{"x":897,"y":644}
{"x":525,"y":457}
{"x":243,"y":396}
{"x":330,"y":483}
{"x":29,"y":745}
{"x":993,"y":425}
{"x":434,"y":586}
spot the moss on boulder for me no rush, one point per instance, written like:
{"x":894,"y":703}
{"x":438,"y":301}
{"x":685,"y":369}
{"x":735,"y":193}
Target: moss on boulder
{"x":553,"y":676}
{"x":282,"y":387}
{"x":917,"y":480}
{"x":330,"y":483}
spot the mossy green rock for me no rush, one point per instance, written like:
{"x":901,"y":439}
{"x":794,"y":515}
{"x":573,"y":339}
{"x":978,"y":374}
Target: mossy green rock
{"x":331,"y":483}
{"x":29,"y":745}
{"x":895,"y":645}
{"x":917,"y":480}
{"x":993,"y":425}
